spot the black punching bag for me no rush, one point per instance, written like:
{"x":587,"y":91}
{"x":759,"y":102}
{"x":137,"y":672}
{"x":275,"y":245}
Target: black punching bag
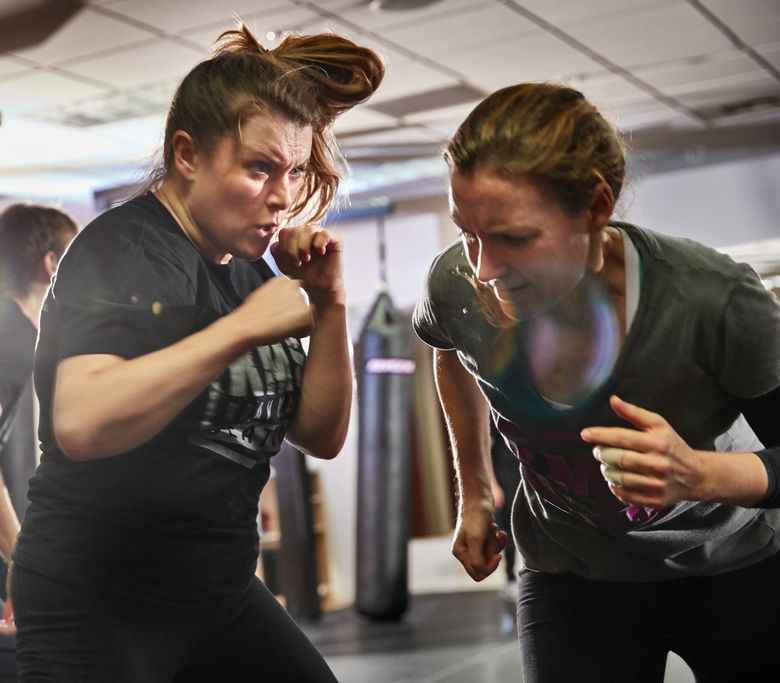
{"x":385,"y":369}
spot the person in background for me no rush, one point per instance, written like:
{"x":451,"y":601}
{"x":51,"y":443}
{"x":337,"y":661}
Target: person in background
{"x":170,"y":367}
{"x":32,"y":240}
{"x":636,"y":377}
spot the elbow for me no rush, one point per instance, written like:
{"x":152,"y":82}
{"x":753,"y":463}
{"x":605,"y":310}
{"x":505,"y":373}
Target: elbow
{"x":317,"y":446}
{"x":73,"y":439}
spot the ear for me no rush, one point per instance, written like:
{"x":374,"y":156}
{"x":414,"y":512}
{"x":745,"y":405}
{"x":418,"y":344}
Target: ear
{"x":602,"y":204}
{"x":185,"y":154}
{"x":48,"y":265}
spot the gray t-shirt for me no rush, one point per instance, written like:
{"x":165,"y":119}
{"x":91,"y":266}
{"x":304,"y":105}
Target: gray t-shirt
{"x":706,"y":334}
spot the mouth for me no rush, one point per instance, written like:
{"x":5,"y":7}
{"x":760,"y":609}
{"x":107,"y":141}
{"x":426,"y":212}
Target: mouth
{"x":267,"y":229}
{"x":506,"y":293}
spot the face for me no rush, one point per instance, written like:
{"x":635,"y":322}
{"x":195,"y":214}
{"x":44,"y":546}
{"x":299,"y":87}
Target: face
{"x":241,"y":191}
{"x":520,"y":243}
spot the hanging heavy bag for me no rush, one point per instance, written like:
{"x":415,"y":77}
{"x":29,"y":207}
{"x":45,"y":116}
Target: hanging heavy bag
{"x":385,"y":369}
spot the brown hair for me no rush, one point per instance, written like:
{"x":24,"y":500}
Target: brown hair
{"x":309,"y":79}
{"x":27,"y":233}
{"x":546,"y":131}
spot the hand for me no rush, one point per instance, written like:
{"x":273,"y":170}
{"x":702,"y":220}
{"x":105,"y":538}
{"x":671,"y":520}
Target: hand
{"x":313,"y":255}
{"x":478,"y":542}
{"x":7,"y":623}
{"x":651,"y":466}
{"x":279,"y":308}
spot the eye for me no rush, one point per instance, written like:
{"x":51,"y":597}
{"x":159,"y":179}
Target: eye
{"x":298,"y":172}
{"x":263,"y":167}
{"x":516,"y":240}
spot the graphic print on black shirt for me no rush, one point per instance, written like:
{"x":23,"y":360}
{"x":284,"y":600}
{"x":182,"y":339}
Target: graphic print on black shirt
{"x":249,"y":407}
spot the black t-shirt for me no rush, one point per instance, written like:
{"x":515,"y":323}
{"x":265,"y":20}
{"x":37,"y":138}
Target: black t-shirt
{"x":176,"y":517}
{"x":17,"y":343}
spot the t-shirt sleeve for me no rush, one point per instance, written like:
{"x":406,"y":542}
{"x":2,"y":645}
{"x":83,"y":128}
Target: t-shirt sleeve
{"x":118,"y":297}
{"x":750,"y":361}
{"x":430,"y":317}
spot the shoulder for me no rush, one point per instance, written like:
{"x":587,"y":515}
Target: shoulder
{"x":139,"y":224}
{"x":686,"y":256}
{"x":129,"y":241}
{"x":447,"y":295}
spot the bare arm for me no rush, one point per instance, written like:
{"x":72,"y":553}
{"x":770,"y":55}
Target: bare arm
{"x":477,"y":542}
{"x":652,"y":466}
{"x":314,"y":255}
{"x":9,"y":523}
{"x":105,"y":405}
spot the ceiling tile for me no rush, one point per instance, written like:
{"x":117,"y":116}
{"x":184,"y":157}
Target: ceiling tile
{"x":361,"y":13}
{"x":460,"y":30}
{"x":157,"y":60}
{"x":608,"y":88}
{"x":563,"y":12}
{"x":771,"y":53}
{"x":409,"y":78}
{"x":87,"y":33}
{"x":260,"y":23}
{"x":10,"y":66}
{"x":739,"y":93}
{"x":653,"y":35}
{"x":362,"y":118}
{"x":433,"y":118}
{"x":722,"y":70}
{"x":172,"y":18}
{"x":535,"y":57}
{"x":754,"y":21}
{"x":648,"y":112}
{"x":41,"y":89}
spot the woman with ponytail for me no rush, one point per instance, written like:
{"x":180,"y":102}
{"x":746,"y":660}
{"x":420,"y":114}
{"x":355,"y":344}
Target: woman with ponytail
{"x":169,"y":369}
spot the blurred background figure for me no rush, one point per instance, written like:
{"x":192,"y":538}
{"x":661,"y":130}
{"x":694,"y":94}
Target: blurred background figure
{"x":32,"y":240}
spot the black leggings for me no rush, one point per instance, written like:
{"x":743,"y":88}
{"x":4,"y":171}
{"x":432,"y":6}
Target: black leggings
{"x":68,"y":634}
{"x":725,"y":627}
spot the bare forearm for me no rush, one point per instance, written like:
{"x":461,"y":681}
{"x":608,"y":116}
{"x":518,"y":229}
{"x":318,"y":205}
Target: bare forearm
{"x":467,"y":416}
{"x":9,"y":523}
{"x":737,"y":478}
{"x":321,"y":423}
{"x":121,"y":404}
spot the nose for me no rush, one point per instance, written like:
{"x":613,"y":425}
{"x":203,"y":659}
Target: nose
{"x":280,"y":195}
{"x":489,"y":264}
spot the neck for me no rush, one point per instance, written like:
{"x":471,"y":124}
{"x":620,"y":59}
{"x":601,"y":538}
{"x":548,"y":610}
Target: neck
{"x":173,"y":196}
{"x":30,"y":302}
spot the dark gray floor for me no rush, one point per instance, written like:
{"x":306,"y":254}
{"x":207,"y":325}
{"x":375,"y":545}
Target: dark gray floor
{"x":443,"y":638}
{"x":457,"y":638}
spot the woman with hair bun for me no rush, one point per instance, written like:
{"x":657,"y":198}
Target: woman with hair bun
{"x":169,"y":369}
{"x":636,"y":378}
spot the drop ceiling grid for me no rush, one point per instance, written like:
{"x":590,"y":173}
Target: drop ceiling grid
{"x":175,"y":17}
{"x":532,"y":57}
{"x":86,"y":33}
{"x":727,"y":72}
{"x":567,"y":12}
{"x":652,"y":36}
{"x":360,"y":13}
{"x":156,"y":60}
{"x":468,"y":29}
{"x":754,"y":21}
